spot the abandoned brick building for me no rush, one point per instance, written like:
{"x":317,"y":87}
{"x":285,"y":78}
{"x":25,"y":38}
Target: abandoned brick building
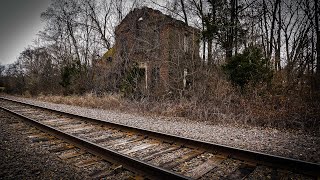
{"x":165,"y":50}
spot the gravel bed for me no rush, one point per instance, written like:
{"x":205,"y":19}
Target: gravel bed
{"x":222,"y":170}
{"x":79,"y":159}
{"x":267,"y":140}
{"x":21,"y":160}
{"x":169,"y":156}
{"x":98,"y":166}
{"x":121,"y":175}
{"x":190,"y":165}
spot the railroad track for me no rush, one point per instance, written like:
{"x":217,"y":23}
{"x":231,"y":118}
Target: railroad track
{"x":87,"y":164}
{"x":157,"y":155}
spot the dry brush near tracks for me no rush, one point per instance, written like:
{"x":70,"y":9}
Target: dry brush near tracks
{"x":270,"y":111}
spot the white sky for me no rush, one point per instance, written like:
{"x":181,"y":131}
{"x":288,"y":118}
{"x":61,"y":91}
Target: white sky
{"x":19,"y":24}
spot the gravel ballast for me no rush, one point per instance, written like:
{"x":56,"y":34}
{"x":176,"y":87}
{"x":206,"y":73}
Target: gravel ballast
{"x":289,"y":144}
{"x":20,"y":159}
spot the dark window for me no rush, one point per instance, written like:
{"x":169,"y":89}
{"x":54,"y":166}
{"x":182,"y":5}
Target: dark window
{"x":155,"y":75}
{"x":156,"y":36}
{"x":138,"y":25}
{"x":139,"y":35}
{"x":185,"y":43}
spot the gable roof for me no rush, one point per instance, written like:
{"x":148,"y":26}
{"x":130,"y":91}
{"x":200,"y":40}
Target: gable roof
{"x":142,"y":13}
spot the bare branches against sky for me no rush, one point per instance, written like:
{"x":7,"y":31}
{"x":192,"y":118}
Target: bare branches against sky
{"x":19,"y":23}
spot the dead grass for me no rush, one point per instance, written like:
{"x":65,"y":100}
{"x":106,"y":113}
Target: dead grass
{"x":88,"y":100}
{"x":285,"y":112}
{"x":275,"y":112}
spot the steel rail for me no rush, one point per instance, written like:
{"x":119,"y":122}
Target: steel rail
{"x":128,"y":162}
{"x":295,"y":165}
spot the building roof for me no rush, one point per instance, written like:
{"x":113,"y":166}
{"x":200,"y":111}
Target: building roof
{"x":109,"y":53}
{"x":139,"y":14}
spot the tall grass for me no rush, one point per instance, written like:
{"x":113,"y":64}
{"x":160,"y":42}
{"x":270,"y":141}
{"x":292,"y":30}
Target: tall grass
{"x":221,"y":104}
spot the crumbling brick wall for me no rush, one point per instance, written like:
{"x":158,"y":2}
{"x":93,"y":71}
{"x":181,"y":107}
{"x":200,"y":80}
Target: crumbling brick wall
{"x":163,"y":46}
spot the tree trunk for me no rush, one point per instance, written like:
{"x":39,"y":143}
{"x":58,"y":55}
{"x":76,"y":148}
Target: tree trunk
{"x":277,"y":53}
{"x":210,"y":60}
{"x":102,"y":31}
{"x":230,"y":31}
{"x":312,"y":54}
{"x":204,"y":51}
{"x":316,"y":18}
{"x":274,"y":13}
{"x":184,"y":12}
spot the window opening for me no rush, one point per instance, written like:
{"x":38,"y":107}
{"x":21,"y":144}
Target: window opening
{"x":185,"y":43}
{"x":155,"y":74}
{"x":185,"y":73}
{"x":143,"y":68}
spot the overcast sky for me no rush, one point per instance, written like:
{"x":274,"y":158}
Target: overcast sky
{"x":19,"y":23}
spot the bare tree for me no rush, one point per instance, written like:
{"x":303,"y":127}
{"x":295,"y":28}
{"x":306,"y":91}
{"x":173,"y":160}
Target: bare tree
{"x":316,"y":19}
{"x":100,"y":24}
{"x":200,"y":12}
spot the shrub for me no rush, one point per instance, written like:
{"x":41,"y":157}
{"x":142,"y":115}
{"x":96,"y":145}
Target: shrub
{"x":248,"y":67}
{"x":130,"y":83}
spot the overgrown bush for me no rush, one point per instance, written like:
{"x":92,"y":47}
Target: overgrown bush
{"x":248,"y":67}
{"x":75,"y":78}
{"x":130,"y":83}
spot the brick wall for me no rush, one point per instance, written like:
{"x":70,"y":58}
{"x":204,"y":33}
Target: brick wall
{"x":159,"y":42}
